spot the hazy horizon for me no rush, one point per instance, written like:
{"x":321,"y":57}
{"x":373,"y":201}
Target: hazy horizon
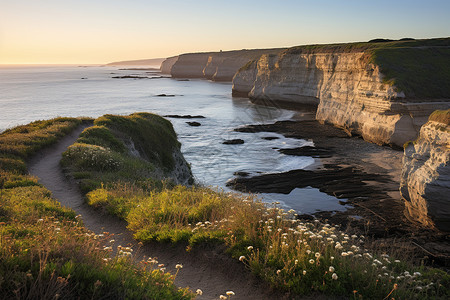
{"x":99,"y":32}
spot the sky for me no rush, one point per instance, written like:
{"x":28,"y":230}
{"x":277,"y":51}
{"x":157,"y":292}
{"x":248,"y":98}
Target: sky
{"x":102,"y":31}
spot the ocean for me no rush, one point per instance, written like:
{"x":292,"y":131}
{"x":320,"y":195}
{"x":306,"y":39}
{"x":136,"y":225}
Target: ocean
{"x":29,"y":93}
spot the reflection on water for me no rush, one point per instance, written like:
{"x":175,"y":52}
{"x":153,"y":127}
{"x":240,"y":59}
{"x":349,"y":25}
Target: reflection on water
{"x":36,"y":93}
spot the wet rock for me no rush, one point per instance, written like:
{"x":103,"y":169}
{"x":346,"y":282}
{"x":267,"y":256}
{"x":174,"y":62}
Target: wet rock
{"x":195,"y":124}
{"x":269,"y":138}
{"x":184,"y":117}
{"x":307,"y":151}
{"x":130,"y":76}
{"x":233,"y":142}
{"x":241,"y":174}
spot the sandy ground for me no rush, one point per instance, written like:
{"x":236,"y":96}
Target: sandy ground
{"x":211,"y":271}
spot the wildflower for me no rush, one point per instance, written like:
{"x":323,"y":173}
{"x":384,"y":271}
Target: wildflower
{"x":332,"y":257}
{"x":396,"y":261}
{"x":241,"y":258}
{"x":249,"y":248}
{"x":334,"y":276}
{"x":230,"y":293}
{"x":199,"y":292}
{"x":417,"y":274}
{"x":304,"y":272}
{"x":331,"y":269}
{"x":308,"y":251}
{"x":296,"y":261}
{"x":40,"y":220}
{"x":317,"y":255}
{"x":57,"y":229}
{"x":179,"y":266}
{"x":112,"y":241}
{"x":311,"y":261}
{"x":222,"y":297}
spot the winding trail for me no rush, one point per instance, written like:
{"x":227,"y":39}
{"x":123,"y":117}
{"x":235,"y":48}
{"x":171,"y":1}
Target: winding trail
{"x":211,"y":271}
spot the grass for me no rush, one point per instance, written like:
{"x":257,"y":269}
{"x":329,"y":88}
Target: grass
{"x":440,"y":116}
{"x":102,"y":155}
{"x":419,"y":68}
{"x":45,"y":252}
{"x":295,"y":256}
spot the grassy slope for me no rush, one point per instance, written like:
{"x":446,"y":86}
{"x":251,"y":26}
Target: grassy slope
{"x":299,"y":257}
{"x":419,"y":68}
{"x":101,"y":156}
{"x":45,"y":252}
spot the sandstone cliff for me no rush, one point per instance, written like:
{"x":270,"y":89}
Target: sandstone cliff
{"x":382,"y":91}
{"x":425,"y":181}
{"x":217,"y":66}
{"x":167,"y":64}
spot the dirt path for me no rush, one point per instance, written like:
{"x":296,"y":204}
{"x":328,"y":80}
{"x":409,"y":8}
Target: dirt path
{"x":212,"y":272}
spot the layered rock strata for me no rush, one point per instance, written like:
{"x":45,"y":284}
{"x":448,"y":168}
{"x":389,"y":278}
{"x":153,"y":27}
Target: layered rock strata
{"x":216,"y":66}
{"x":425,"y":181}
{"x":348,"y":88}
{"x":167,"y":64}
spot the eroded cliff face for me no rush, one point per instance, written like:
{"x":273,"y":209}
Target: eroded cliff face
{"x":347,"y":89}
{"x":425,"y":181}
{"x":244,"y":79}
{"x":167,"y":64}
{"x":216,"y":66}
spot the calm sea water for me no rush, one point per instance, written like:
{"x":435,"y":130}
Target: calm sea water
{"x":36,"y":93}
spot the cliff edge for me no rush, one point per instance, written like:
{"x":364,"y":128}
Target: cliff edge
{"x":383,"y":91}
{"x":425,"y":180}
{"x":216,"y":66}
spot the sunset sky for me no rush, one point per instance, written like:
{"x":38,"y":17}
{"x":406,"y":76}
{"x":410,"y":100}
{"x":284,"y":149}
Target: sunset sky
{"x":101,"y":31}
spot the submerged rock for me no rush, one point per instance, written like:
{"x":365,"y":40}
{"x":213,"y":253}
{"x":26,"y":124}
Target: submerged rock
{"x":184,"y":117}
{"x":233,"y":142}
{"x":195,"y":124}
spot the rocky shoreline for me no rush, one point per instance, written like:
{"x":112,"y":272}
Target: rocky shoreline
{"x":365,"y":177}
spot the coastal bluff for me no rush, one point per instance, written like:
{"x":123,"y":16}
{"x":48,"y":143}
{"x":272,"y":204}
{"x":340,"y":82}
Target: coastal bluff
{"x":425,"y":180}
{"x":383,"y":91}
{"x":216,"y":66}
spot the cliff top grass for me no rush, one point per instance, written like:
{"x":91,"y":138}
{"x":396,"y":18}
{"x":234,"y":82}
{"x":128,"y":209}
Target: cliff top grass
{"x":419,"y":68}
{"x":136,"y":148}
{"x":45,"y":252}
{"x":441,"y":116}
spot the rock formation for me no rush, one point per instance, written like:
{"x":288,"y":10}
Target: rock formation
{"x":167,"y":64}
{"x":216,"y":66}
{"x":425,"y":182}
{"x":349,"y":86}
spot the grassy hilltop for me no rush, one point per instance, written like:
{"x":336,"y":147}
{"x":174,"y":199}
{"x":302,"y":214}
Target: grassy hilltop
{"x":45,"y":252}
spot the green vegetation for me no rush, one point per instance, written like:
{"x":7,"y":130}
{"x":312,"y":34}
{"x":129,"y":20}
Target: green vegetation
{"x":45,"y":252}
{"x":292,"y":255}
{"x":101,"y":154}
{"x":419,"y":68}
{"x":441,"y":116}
